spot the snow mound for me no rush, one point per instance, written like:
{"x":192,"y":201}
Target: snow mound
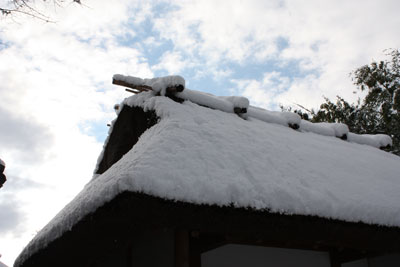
{"x":237,"y":101}
{"x":282,"y":118}
{"x":378,"y":140}
{"x":226,"y":104}
{"x":324,"y":128}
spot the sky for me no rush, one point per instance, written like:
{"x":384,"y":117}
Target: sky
{"x":56,"y":96}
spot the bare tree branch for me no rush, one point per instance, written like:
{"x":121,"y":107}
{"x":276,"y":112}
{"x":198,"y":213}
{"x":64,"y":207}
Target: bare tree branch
{"x":38,"y":15}
{"x":24,"y":7}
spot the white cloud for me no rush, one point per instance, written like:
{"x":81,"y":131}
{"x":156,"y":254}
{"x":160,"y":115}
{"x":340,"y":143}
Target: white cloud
{"x":55,"y":77}
{"x":303,"y":91}
{"x":10,"y":216}
{"x":329,"y":37}
{"x":263,"y":93}
{"x":172,"y":62}
{"x":19,"y":133}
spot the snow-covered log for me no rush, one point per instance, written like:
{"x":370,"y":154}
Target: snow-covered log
{"x":207,"y":100}
{"x":174,"y":85}
{"x":339,"y":130}
{"x":163,"y":85}
{"x":240,"y":103}
{"x":377,"y":140}
{"x":231,"y":104}
{"x":283,"y":118}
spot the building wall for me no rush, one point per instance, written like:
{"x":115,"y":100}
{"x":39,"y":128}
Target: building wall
{"x":244,"y":256}
{"x":115,"y":258}
{"x":153,"y":249}
{"x":148,"y":248}
{"x":391,"y":260}
{"x":358,"y":263}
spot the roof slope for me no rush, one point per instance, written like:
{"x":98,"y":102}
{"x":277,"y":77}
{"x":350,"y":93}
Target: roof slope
{"x":201,"y":155}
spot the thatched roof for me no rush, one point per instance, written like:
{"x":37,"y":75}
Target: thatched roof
{"x":209,"y":157}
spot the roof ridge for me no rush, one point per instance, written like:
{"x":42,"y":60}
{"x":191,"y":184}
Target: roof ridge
{"x":174,"y":87}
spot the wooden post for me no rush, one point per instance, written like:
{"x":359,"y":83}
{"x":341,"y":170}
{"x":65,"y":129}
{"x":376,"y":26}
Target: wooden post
{"x":334,"y":258}
{"x":129,"y":252}
{"x":182,"y":257}
{"x":195,"y":249}
{"x":187,"y":249}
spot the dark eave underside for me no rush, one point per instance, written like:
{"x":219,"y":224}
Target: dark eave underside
{"x":109,"y":227}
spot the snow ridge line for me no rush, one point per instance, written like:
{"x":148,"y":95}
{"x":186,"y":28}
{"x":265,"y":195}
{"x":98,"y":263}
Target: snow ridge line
{"x":175,"y":86}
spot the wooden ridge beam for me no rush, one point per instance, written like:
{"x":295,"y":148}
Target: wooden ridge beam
{"x":141,"y":88}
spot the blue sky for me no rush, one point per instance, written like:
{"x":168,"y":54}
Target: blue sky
{"x":57,"y":97}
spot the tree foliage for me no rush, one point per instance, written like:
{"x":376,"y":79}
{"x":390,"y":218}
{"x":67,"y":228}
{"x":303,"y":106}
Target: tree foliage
{"x":379,"y":111}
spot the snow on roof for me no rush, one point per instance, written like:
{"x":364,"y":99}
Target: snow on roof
{"x":206,"y":156}
{"x":282,"y":118}
{"x":377,"y":140}
{"x":226,"y":104}
{"x":324,"y":128}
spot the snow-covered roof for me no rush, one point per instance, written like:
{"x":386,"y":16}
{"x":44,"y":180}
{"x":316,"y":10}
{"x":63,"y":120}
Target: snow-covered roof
{"x":206,"y":155}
